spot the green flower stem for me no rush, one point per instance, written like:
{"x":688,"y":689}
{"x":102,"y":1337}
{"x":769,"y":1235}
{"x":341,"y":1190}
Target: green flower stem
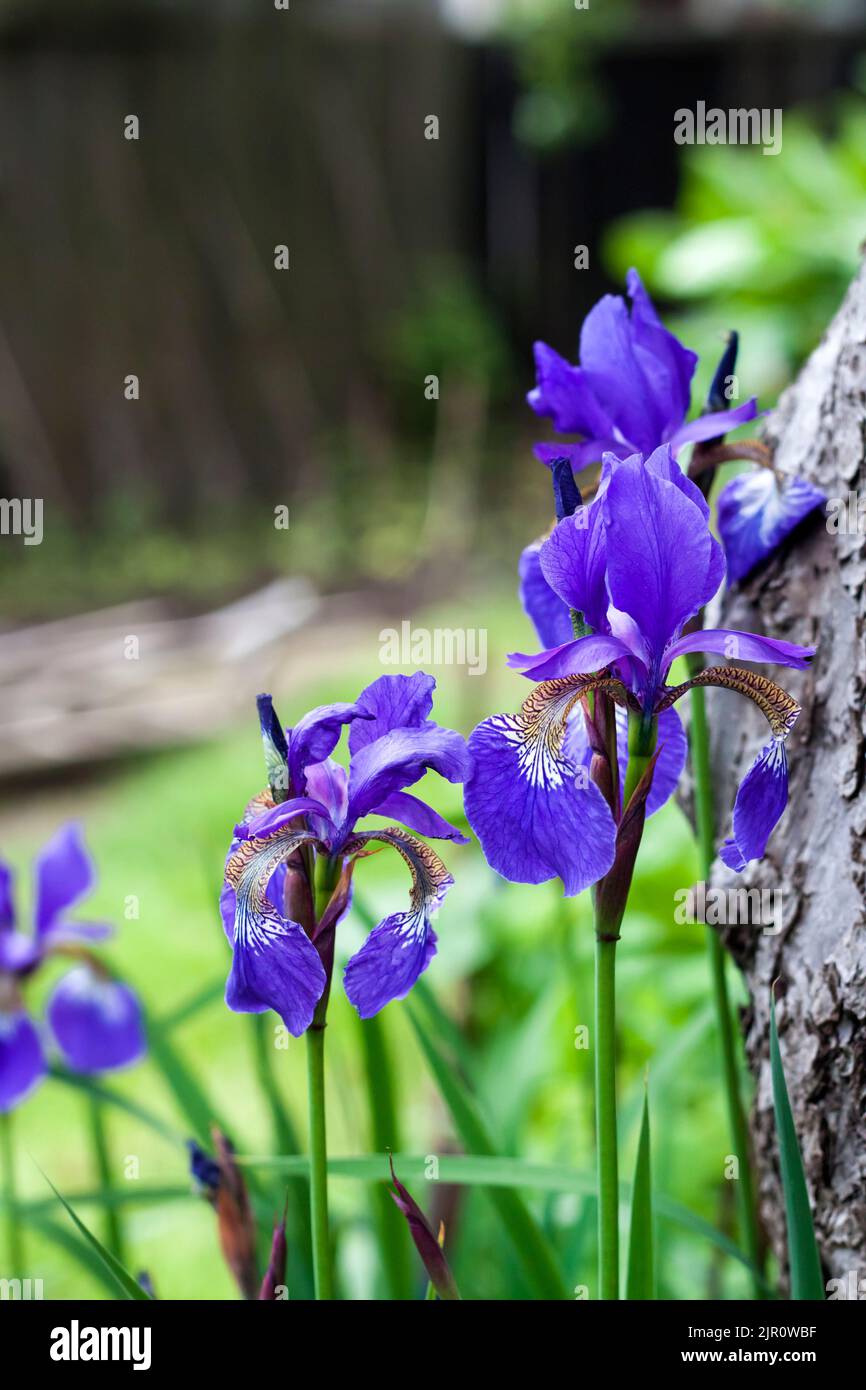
{"x":99,"y":1139}
{"x":705,"y":817}
{"x":605,"y":1117}
{"x":327,"y":874}
{"x":14,"y":1246}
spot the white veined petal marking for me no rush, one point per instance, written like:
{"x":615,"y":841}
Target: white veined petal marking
{"x":538,"y":731}
{"x":249,"y":871}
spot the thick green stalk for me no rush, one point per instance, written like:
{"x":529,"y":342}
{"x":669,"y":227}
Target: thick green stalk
{"x":14,"y":1246}
{"x":393,"y":1235}
{"x":99,"y":1138}
{"x":327,"y":873}
{"x":704,"y":815}
{"x":605,"y":1112}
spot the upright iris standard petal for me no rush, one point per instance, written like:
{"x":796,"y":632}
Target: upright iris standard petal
{"x":22,"y":1061}
{"x":64,"y":873}
{"x":400,"y":758}
{"x":274,"y":963}
{"x":761,"y":798}
{"x":392,"y":702}
{"x":544,"y":608}
{"x":316,"y":736}
{"x":667,"y":366}
{"x":662,"y":562}
{"x":609,"y":355}
{"x":573,"y":562}
{"x":401,"y":947}
{"x":7,"y":900}
{"x":534,"y":810}
{"x":96,"y":1022}
{"x":755,"y":516}
{"x":564,"y":393}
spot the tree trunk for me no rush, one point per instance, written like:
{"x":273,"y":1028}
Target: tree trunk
{"x":811,"y":591}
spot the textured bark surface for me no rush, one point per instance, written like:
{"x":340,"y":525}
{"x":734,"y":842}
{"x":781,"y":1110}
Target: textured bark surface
{"x":812,"y":591}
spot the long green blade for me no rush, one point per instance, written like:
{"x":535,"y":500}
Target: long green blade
{"x":530,"y":1243}
{"x":640,"y":1276}
{"x":807,"y":1281}
{"x":129,"y":1287}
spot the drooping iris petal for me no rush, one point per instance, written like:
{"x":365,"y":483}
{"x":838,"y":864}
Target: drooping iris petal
{"x":412,"y":811}
{"x":573,"y":562}
{"x":274,"y":963}
{"x":673,"y":749}
{"x":96,"y":1022}
{"x":742,"y":646}
{"x":545,"y":609}
{"x":564,"y":393}
{"x":755,"y":515}
{"x":315,"y":737}
{"x":579,"y":657}
{"x":22,"y":1061}
{"x":64,"y":873}
{"x":399,"y":759}
{"x":662,"y":562}
{"x":392,"y":702}
{"x":401,"y":947}
{"x":761,"y":798}
{"x":534,"y":810}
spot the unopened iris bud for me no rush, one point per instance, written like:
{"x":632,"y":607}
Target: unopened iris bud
{"x":204,"y":1171}
{"x":276,"y":749}
{"x":426,"y":1242}
{"x":566,"y":494}
{"x":719,"y":398}
{"x":221,"y":1181}
{"x":275,"y":1274}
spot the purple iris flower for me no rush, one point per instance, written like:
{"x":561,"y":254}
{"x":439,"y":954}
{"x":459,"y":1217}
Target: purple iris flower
{"x":756,"y":514}
{"x":632,"y":389}
{"x":95,"y":1021}
{"x":282,"y":951}
{"x":634,"y":567}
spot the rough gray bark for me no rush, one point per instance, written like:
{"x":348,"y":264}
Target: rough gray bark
{"x":812,"y":591}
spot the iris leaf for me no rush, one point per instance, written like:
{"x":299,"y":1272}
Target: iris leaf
{"x":807,"y":1280}
{"x":640,"y":1275}
{"x":129,"y":1287}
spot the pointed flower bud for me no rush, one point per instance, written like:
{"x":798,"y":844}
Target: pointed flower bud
{"x":276,"y":749}
{"x":566,"y":494}
{"x":426,"y":1243}
{"x":275,"y":1274}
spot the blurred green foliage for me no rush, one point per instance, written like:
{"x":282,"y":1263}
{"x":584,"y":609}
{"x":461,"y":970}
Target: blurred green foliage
{"x":764,"y":244}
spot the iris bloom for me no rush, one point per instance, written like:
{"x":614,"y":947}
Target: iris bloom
{"x":632,"y":389}
{"x":634,"y":566}
{"x":95,"y":1021}
{"x":282,"y":955}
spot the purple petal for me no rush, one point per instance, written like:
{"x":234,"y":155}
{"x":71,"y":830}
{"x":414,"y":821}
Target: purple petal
{"x":401,"y":947}
{"x":276,"y":817}
{"x":575,"y":658}
{"x":399,"y":759}
{"x":314,"y":738}
{"x":713,"y":425}
{"x":755,"y":516}
{"x":579,"y":455}
{"x":392,"y":702}
{"x":96,"y":1022}
{"x":673,"y":747}
{"x":547,"y":612}
{"x":615,"y":366}
{"x":7,"y":899}
{"x":761,"y":799}
{"x":667,"y":366}
{"x":274,"y":963}
{"x":573,"y":562}
{"x":18,"y":952}
{"x":328,"y":783}
{"x":64,"y":874}
{"x":533,"y":809}
{"x":412,"y":811}
{"x":22,"y":1061}
{"x":565,"y":394}
{"x":742,"y":646}
{"x":662,"y":562}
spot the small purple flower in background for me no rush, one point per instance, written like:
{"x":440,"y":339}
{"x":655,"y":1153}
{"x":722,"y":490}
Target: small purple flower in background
{"x":633,"y":567}
{"x":94,"y":1020}
{"x":631,"y":391}
{"x":282,"y":948}
{"x":756,"y":514}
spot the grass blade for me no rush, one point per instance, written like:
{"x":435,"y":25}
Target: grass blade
{"x":530,"y":1243}
{"x":393,"y":1237}
{"x":640,"y":1276}
{"x":807,"y":1280}
{"x":129,"y":1287}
